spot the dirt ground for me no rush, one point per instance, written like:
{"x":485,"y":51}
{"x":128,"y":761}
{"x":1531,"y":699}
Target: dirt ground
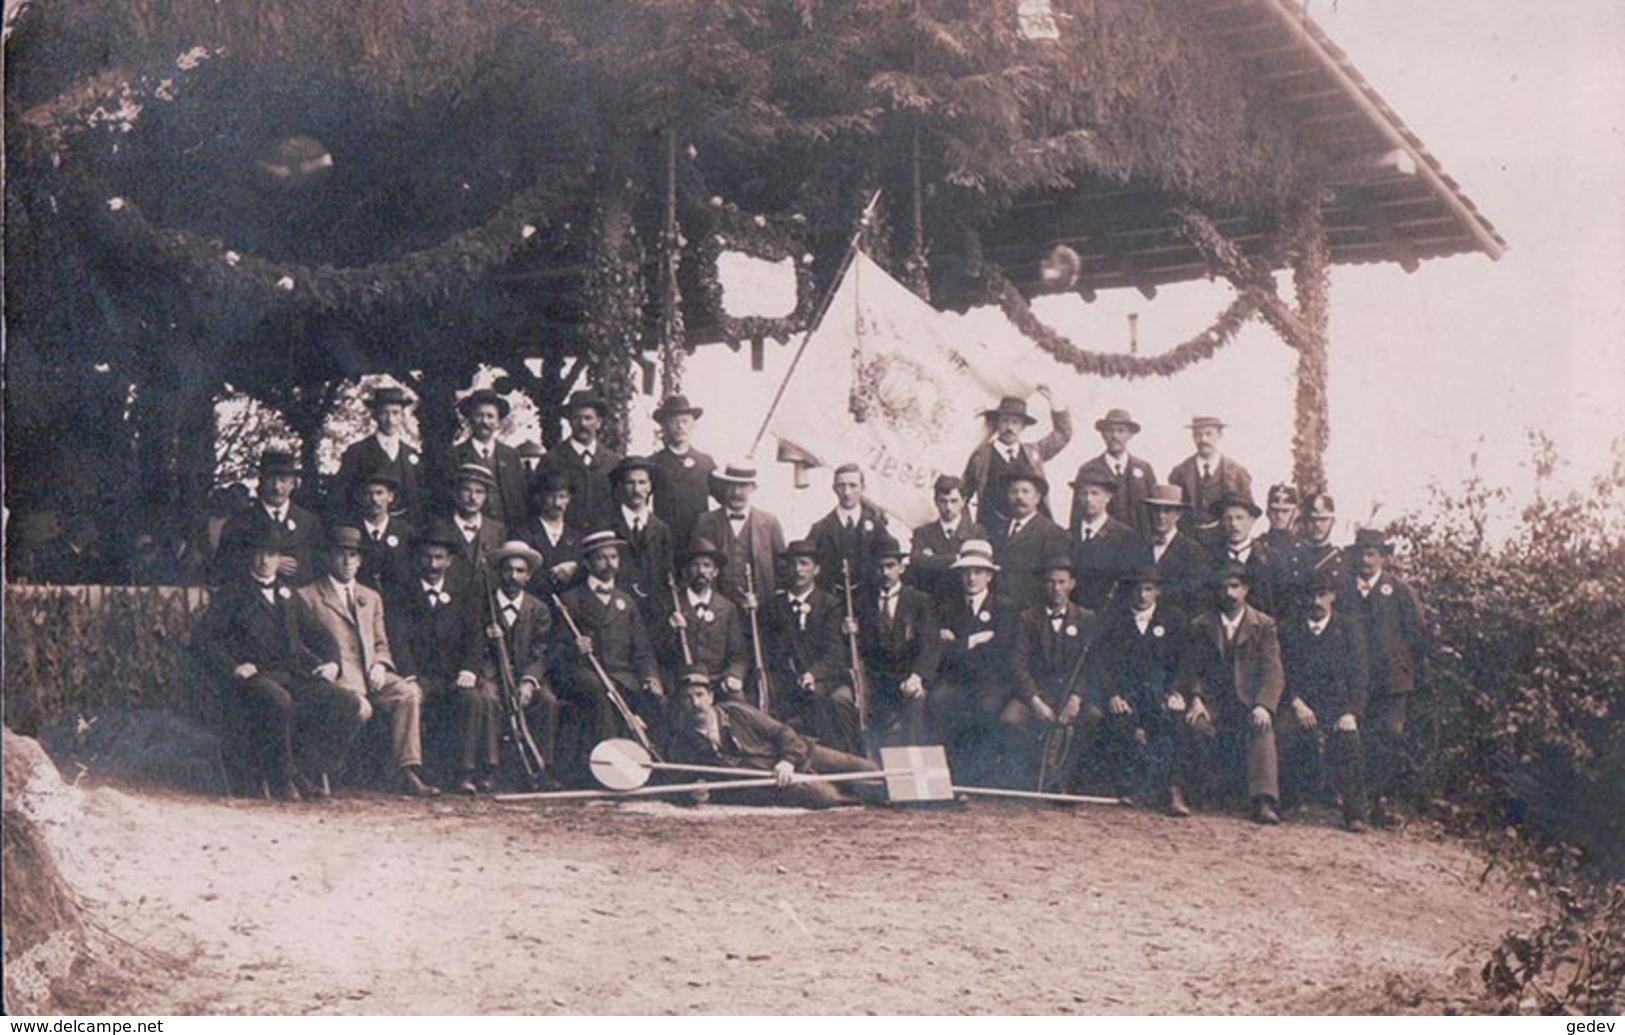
{"x":383,"y":905}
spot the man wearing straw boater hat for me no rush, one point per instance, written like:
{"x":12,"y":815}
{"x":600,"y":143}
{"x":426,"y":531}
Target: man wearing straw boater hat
{"x":1004,"y":452}
{"x":1179,"y":560}
{"x":973,"y":681}
{"x":1132,"y":476}
{"x":901,"y":642}
{"x":483,"y":410}
{"x":586,"y":462}
{"x":804,"y":629}
{"x":681,"y":472}
{"x":744,"y":532}
{"x":712,"y":626}
{"x":300,"y":530}
{"x":519,"y":624}
{"x":1206,"y":477}
{"x":385,"y":451}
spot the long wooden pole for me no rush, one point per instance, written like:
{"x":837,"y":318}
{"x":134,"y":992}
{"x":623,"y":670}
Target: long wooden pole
{"x":680,"y":788}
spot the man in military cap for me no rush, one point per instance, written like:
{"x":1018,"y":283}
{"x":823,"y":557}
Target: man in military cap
{"x":1023,"y":542}
{"x":936,"y":544}
{"x":681,"y":472}
{"x":1206,"y":477}
{"x":585,"y":462}
{"x":848,"y":533}
{"x":901,"y":644}
{"x":299,"y":528}
{"x":1132,"y":476}
{"x":649,"y":561}
{"x":483,"y":410}
{"x":1317,"y":553}
{"x":385,"y":451}
{"x":712,"y":626}
{"x":1004,"y":452}
{"x":805,"y":630}
{"x":748,"y":535}
{"x":1103,"y":549}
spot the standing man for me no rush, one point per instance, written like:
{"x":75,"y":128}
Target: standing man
{"x":681,"y":472}
{"x":1396,"y":637}
{"x":1180,"y":562}
{"x":1004,"y":452}
{"x":341,"y":622}
{"x":1206,"y":477}
{"x":1132,"y":476}
{"x":746,"y":534}
{"x":851,"y":532}
{"x":1323,"y":655}
{"x":1237,"y":516}
{"x":936,"y":544}
{"x":299,"y":528}
{"x":293,"y":724}
{"x":518,"y":629}
{"x":1026,"y":540}
{"x":973,"y":681}
{"x":805,"y":632}
{"x":481,"y":533}
{"x":901,"y":643}
{"x":649,"y":561}
{"x":385,"y":451}
{"x":585,"y":462}
{"x":1316,"y":555}
{"x":713,"y":626}
{"x":550,"y":534}
{"x":1053,"y":641}
{"x":484,"y":411}
{"x":387,"y":558}
{"x":1104,"y":550}
{"x":1282,"y":543}
{"x":1233,"y":685}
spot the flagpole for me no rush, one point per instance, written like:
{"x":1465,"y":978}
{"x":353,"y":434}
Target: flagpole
{"x":817,"y":318}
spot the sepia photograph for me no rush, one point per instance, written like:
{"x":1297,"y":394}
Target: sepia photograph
{"x":798,"y":508}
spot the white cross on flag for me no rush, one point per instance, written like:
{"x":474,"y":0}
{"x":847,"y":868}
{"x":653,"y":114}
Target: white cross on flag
{"x":917,"y":773}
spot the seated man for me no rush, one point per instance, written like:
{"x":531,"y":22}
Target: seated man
{"x":735,"y":735}
{"x":973,"y":682}
{"x":294,"y":725}
{"x":1053,"y":641}
{"x":806,"y":652}
{"x":341,"y":622}
{"x":901,"y":644}
{"x":518,"y":625}
{"x":711,"y":625}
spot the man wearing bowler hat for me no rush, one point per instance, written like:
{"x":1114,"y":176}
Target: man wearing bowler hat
{"x":1237,"y":517}
{"x":1180,"y":561}
{"x":387,"y":537}
{"x":300,"y":530}
{"x":385,"y":451}
{"x":900,"y":639}
{"x":713,"y":626}
{"x":649,"y":561}
{"x":744,"y":532}
{"x":1023,"y":542}
{"x":1133,"y":476}
{"x":586,"y":462}
{"x":1104,"y":550}
{"x":681,"y":472}
{"x":483,"y":410}
{"x":804,"y":629}
{"x":1053,"y":642}
{"x":1206,"y":477}
{"x":481,"y":534}
{"x":1004,"y":452}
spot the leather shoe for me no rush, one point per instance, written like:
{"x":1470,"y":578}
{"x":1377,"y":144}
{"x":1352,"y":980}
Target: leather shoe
{"x":486,"y":784}
{"x":1264,"y":812}
{"x":413,"y":786}
{"x":1176,"y":804}
{"x":466,"y":786}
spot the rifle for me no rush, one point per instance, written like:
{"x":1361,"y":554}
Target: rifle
{"x":518,"y":733}
{"x":860,"y":682}
{"x":634,"y":724}
{"x":764,"y":689}
{"x":682,"y":631}
{"x":1057,"y":739}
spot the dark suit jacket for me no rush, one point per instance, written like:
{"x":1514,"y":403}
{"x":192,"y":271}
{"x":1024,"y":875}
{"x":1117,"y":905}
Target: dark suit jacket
{"x":367,"y":457}
{"x":1185,"y":572}
{"x":591,"y":501}
{"x":1110,"y":555}
{"x":527,"y":642}
{"x":1051,"y":664}
{"x":932,"y":553}
{"x":909,"y":644}
{"x":435,"y":643}
{"x":1262,"y":572}
{"x":619,"y":637}
{"x":301,"y":532}
{"x":682,"y":491}
{"x":1229,"y":479}
{"x":1141,"y":667}
{"x":719,"y":643}
{"x":472,"y":557}
{"x":835,"y":544}
{"x":986,"y":468}
{"x":1134,"y":486}
{"x":1018,"y":558}
{"x":1235,"y":680}
{"x":241,"y":627}
{"x":751,"y":739}
{"x":385,"y":565}
{"x":985,"y":668}
{"x":1327,"y":671}
{"x":566,"y":550}
{"x":1395,"y":632}
{"x":760,"y":543}
{"x":647,"y":563}
{"x":820,"y":648}
{"x":508,"y":502}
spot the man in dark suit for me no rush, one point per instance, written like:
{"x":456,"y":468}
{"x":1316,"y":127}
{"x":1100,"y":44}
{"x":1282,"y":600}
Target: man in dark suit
{"x":1315,"y":555}
{"x":1234,"y":684}
{"x":481,"y":534}
{"x":649,"y":548}
{"x":747,"y":534}
{"x":1145,"y":740}
{"x":849,"y":533}
{"x":1026,"y":540}
{"x":385,"y":451}
{"x":712,"y":626}
{"x":611,"y":628}
{"x":936,"y":544}
{"x":550,"y":534}
{"x":291,"y":724}
{"x":1053,"y":641}
{"x":900,"y":640}
{"x":484,"y":411}
{"x":1104,"y":549}
{"x":806,"y":652}
{"x":1004,"y":452}
{"x":386,"y":559}
{"x":681,"y":473}
{"x":586,"y":462}
{"x":518,"y":632}
{"x":1397,"y":637}
{"x":1132,"y":477}
{"x":1323,"y":655}
{"x":1180,"y":561}
{"x":1237,"y":516}
{"x":299,"y":528}
{"x":1206,"y":477}
{"x":973,"y":680}
{"x":1282,"y":542}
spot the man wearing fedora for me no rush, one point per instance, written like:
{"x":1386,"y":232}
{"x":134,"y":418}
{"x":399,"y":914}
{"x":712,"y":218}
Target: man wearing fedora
{"x":387,"y":538}
{"x":1104,"y":550}
{"x":384,"y":451}
{"x":901,"y":643}
{"x":713,"y":626}
{"x":286,"y":723}
{"x":1232,"y":685}
{"x":1206,"y":477}
{"x":649,"y":549}
{"x":586,"y":462}
{"x":612,"y":630}
{"x":978,"y":636}
{"x":1397,"y":637}
{"x":848,"y":533}
{"x":1053,"y":641}
{"x":483,"y":410}
{"x":1180,"y":561}
{"x":1023,"y":542}
{"x":341,"y":622}
{"x":518,"y":629}
{"x":936,"y":544}
{"x":550,"y":534}
{"x":681,"y":472}
{"x":1133,"y":477}
{"x":1005,"y":452}
{"x":299,"y":528}
{"x":1237,"y":516}
{"x":806,"y":652}
{"x":472,"y":487}
{"x":744,"y":532}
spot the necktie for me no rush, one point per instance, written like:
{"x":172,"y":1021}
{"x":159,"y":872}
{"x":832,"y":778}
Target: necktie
{"x":637,"y":526}
{"x":349,"y":600}
{"x":800,"y":608}
{"x":1015,"y":526}
{"x":1088,"y":534}
{"x":434,"y":598}
{"x":377,"y":534}
{"x":1117,"y":468}
{"x":586,"y":459}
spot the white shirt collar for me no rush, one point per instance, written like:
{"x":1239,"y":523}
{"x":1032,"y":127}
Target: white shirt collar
{"x":698,"y":601}
{"x":976,"y":600}
{"x":1319,"y":627}
{"x":1232,"y":624}
{"x":598,"y":586}
{"x":582,"y":450}
{"x":634,"y":517}
{"x":1096,"y":525}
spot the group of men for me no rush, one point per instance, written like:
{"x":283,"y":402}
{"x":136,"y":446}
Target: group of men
{"x":1152,"y":643}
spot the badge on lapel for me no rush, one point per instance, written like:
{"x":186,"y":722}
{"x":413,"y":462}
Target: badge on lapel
{"x":1072,"y":630}
{"x":620,"y":605}
{"x":1387,"y":590}
{"x":412,"y":458}
{"x":688,"y":461}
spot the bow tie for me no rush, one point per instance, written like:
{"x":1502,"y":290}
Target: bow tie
{"x":703,"y":612}
{"x":800,"y":607}
{"x":605,"y":590}
{"x":469,"y":528}
{"x":736,"y":518}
